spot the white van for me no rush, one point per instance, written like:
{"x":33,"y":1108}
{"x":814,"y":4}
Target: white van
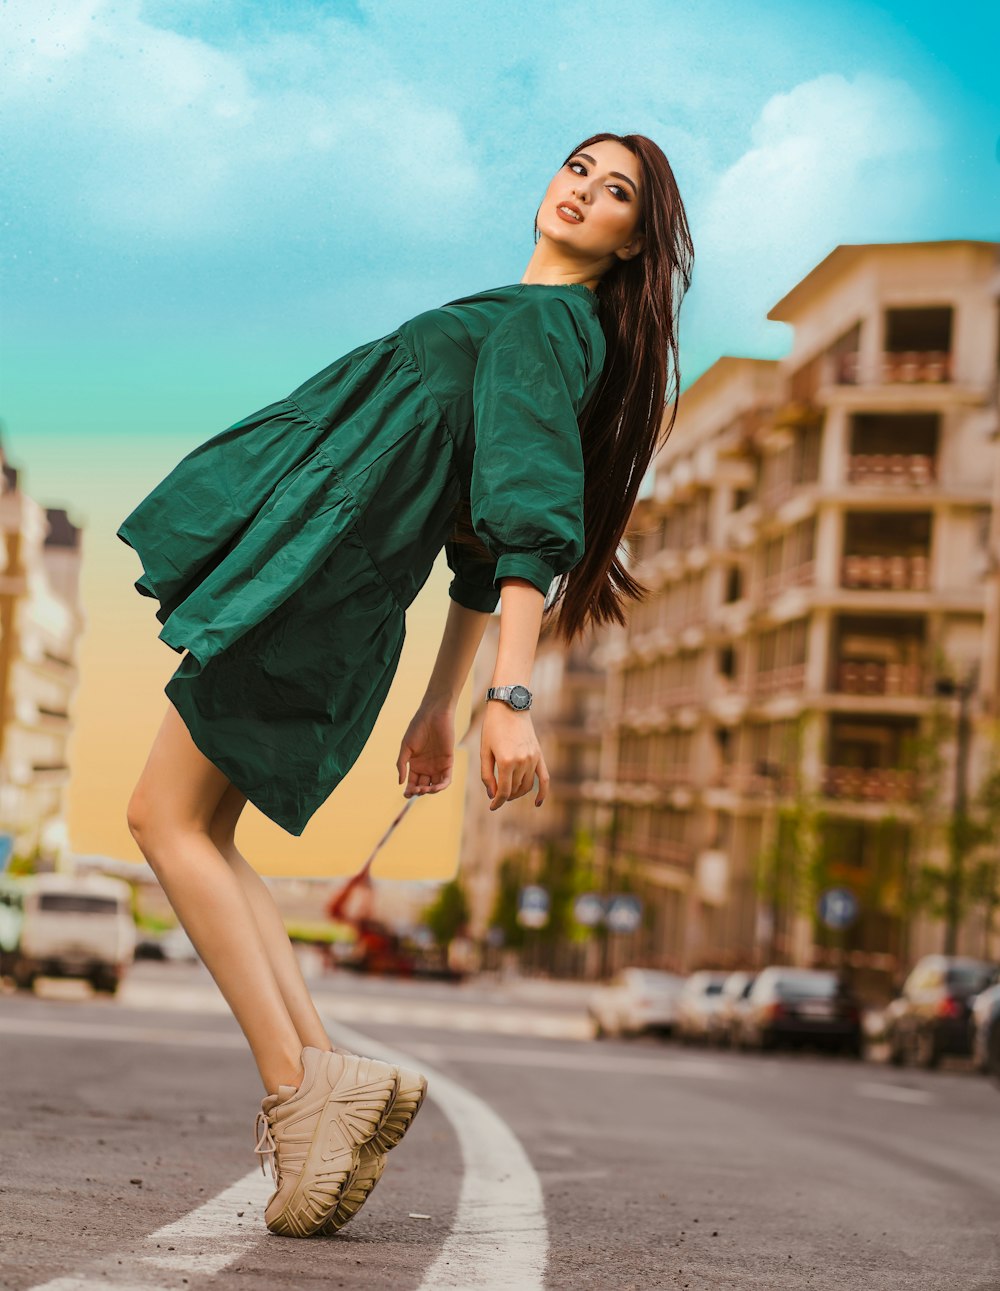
{"x":75,"y":927}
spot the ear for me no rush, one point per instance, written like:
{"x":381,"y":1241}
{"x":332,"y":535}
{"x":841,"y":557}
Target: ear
{"x":631,"y":249}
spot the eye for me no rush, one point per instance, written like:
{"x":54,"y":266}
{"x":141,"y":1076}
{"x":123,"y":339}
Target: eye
{"x":624,"y":196}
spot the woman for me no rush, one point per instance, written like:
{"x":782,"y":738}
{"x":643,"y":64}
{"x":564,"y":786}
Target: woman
{"x":512,"y":428}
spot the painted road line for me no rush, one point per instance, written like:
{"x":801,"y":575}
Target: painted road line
{"x":199,"y":1244}
{"x":499,"y":1238}
{"x":122,"y":1033}
{"x":893,"y":1093}
{"x":583,"y":1059}
{"x":445,"y":1015}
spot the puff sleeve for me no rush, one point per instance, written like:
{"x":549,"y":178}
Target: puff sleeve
{"x":535,"y":372}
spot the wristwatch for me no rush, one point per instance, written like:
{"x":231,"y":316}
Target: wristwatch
{"x":518,"y":697}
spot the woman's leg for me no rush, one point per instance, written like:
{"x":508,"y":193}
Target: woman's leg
{"x":280,"y":953}
{"x":169,"y":814}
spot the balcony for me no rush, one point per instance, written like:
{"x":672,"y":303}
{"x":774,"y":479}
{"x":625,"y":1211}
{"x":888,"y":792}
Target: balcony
{"x":891,"y":470}
{"x":892,"y":367}
{"x":886,"y":573}
{"x":880,"y":784}
{"x":877,"y":677}
{"x":792,"y":677}
{"x":665,"y":850}
{"x":800,"y":575}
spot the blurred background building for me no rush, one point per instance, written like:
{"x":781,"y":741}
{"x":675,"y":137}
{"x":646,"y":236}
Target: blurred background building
{"x":41,"y":622}
{"x":811,"y":685}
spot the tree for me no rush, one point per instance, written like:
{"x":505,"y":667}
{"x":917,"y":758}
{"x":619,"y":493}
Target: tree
{"x":448,"y":914}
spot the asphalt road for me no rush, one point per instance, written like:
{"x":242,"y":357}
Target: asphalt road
{"x":541,"y":1159}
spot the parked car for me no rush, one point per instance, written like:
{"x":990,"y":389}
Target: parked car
{"x":986,"y":1031}
{"x":725,"y":1024}
{"x":636,"y":1000}
{"x":698,"y":1003}
{"x":11,"y":918}
{"x":75,"y":926}
{"x":801,"y":1005}
{"x":932,"y":1016}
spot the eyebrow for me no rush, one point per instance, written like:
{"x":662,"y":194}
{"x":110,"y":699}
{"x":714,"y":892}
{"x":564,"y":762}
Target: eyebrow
{"x":616,"y":173}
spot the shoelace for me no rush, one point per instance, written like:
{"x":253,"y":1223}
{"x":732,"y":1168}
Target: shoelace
{"x":266,"y":1146}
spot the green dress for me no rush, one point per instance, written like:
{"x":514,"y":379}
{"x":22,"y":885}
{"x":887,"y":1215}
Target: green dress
{"x":285,"y":550}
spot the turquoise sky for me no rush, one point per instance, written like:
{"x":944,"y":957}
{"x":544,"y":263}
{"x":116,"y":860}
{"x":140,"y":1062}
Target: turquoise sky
{"x":206,"y":202}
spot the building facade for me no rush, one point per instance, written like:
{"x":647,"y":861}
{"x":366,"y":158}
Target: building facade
{"x":820,"y":538}
{"x":817,"y":535}
{"x":41,"y":622}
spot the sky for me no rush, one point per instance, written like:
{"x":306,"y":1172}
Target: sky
{"x":205,"y":203}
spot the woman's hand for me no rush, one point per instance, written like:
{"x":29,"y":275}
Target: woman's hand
{"x":509,"y":740}
{"x":428,"y":746}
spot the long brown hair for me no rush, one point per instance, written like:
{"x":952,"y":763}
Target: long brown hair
{"x":623,"y":425}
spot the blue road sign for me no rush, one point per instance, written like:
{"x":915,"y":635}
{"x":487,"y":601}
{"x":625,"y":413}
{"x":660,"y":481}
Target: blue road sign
{"x":588,"y":909}
{"x":838,"y":907}
{"x":533,"y":907}
{"x":624,"y":913}
{"x":6,"y":849}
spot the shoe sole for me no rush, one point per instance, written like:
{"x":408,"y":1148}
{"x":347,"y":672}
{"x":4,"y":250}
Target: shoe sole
{"x":325,"y":1174}
{"x":372,"y":1156}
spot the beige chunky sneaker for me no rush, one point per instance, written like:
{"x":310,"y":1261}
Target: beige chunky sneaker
{"x":371,"y":1158}
{"x":313,"y":1135}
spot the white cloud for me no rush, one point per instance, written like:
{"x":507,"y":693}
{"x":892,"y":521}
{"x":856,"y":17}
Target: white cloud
{"x":154,"y":132}
{"x":831,"y":161}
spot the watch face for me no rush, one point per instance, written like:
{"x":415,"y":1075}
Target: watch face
{"x":519,"y":697}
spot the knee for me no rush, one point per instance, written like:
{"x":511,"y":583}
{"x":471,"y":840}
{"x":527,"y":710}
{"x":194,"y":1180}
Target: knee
{"x":141,"y":817}
{"x":136,"y":815}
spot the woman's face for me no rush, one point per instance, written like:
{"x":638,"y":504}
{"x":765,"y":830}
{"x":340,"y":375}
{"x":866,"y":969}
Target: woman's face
{"x":602,"y":183}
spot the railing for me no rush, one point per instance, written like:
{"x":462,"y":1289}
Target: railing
{"x":790,"y":677}
{"x":883,"y":784}
{"x":899,"y":367}
{"x":800,"y":575}
{"x":671,"y":697}
{"x":892,"y":470}
{"x":878,"y":678}
{"x":642,"y":773}
{"x":666,"y":850}
{"x":741,"y":777}
{"x":897,"y":573}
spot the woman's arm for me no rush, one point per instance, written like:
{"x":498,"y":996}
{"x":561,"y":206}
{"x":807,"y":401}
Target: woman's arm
{"x":426,"y":755}
{"x":427,"y":750}
{"x":508,"y":738}
{"x":463,"y":634}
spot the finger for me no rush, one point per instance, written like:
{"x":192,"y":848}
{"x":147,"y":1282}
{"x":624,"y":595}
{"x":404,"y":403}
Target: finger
{"x":524,"y":782}
{"x":502,"y":794}
{"x":401,"y":761}
{"x":486,"y":770}
{"x":543,"y":782}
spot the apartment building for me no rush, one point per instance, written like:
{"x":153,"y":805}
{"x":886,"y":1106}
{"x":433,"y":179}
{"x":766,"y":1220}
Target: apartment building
{"x":41,"y":620}
{"x":817,"y":541}
{"x":821,"y":539}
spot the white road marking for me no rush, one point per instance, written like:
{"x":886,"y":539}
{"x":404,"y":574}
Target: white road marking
{"x":893,"y":1093}
{"x":500,"y":1237}
{"x":204,"y":1242}
{"x":584,"y":1059}
{"x":122,"y":1033}
{"x":445,"y":1015}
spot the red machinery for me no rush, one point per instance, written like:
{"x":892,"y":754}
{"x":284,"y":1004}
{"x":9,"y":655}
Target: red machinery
{"x":379,"y":949}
